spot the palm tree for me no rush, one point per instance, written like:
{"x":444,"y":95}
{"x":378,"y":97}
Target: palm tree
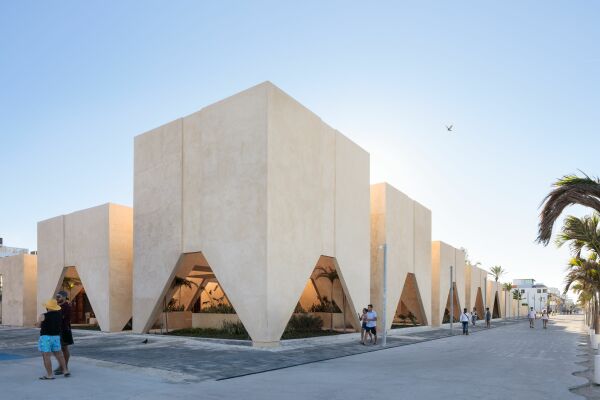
{"x":568,"y":190}
{"x":517,"y":296}
{"x":178,"y":283}
{"x":581,"y":234}
{"x":507,"y":288}
{"x":497,"y":271}
{"x":331,"y":275}
{"x":584,"y":277}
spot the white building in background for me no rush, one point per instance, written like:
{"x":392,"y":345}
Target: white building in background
{"x":10,"y":251}
{"x":532,"y":294}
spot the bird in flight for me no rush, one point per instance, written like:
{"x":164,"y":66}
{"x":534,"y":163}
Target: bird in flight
{"x":449,"y":128}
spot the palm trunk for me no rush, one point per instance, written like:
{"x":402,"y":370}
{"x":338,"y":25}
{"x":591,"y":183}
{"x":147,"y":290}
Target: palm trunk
{"x":331,"y":319}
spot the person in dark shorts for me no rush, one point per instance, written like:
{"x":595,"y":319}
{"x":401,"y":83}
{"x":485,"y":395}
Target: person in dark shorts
{"x":49,"y":342}
{"x":363,"y":326}
{"x":66,"y":335}
{"x":488,"y":317}
{"x":372,"y":323}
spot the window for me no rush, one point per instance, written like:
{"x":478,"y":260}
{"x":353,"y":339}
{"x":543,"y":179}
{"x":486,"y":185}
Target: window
{"x":539,"y":290}
{"x":522,"y":290}
{"x":545,"y":291}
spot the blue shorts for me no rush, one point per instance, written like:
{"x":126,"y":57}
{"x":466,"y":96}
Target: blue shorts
{"x":48,"y":344}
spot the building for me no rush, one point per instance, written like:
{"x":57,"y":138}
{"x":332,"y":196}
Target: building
{"x":532,"y":294}
{"x":255,"y":194}
{"x":18,"y":290}
{"x":6,"y":251}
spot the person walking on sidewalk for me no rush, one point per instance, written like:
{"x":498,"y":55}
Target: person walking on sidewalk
{"x":531,"y":315}
{"x":372,"y":323}
{"x":488,"y":318}
{"x":474,"y":316}
{"x":545,"y":318}
{"x":464,"y":320}
{"x":66,"y":335}
{"x":49,"y":342}
{"x":363,"y":326}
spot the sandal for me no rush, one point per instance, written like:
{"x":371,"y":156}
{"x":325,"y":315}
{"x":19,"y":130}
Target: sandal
{"x":45,"y":378}
{"x":68,"y":374}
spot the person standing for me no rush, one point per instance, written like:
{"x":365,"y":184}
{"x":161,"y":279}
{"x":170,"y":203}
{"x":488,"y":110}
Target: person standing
{"x":372,"y":322}
{"x":488,"y":318}
{"x":363,"y":326}
{"x":66,"y":335}
{"x":464,"y":320}
{"x":49,"y":341}
{"x":545,"y":318}
{"x":474,"y":316}
{"x":531,"y":315}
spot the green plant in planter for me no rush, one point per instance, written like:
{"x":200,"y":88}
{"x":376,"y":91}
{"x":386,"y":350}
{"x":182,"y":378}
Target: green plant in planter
{"x":412,"y":318}
{"x":217,"y":305}
{"x":299,"y":309}
{"x":325,"y":306}
{"x":402,"y":318}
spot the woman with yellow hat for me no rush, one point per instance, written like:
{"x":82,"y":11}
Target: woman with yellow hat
{"x":50,"y":323}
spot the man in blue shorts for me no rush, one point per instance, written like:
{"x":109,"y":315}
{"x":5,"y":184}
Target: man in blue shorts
{"x":50,"y":324}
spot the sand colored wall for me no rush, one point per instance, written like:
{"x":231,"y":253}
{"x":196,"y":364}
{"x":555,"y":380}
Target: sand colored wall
{"x":19,"y":295}
{"x":263,"y":188}
{"x":98,"y":242}
{"x":443,"y":256}
{"x":405,"y":226}
{"x":492,"y":291}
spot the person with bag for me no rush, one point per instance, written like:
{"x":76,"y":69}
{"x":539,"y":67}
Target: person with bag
{"x":464,"y":320}
{"x":49,"y":342}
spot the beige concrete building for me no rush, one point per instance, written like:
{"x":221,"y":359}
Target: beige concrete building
{"x":444,"y":256}
{"x":475,"y":283}
{"x":88,"y":253}
{"x":404,"y":226}
{"x":263,"y":189}
{"x":493,"y":298}
{"x":19,"y":298}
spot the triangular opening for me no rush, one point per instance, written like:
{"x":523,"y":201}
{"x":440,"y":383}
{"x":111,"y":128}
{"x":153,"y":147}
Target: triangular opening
{"x":82,"y":313}
{"x":496,"y":309}
{"x":323,"y":307}
{"x":456,"y":306}
{"x":479,"y":304}
{"x":410,"y":310}
{"x":194,"y":303}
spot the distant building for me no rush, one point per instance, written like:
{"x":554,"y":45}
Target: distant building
{"x":532,"y":294}
{"x":10,"y":251}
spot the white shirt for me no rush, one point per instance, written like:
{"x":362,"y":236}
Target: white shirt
{"x":464,"y":317}
{"x":371,"y":315}
{"x":532,"y":314}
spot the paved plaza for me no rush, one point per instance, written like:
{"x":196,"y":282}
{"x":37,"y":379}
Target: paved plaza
{"x":509,"y":360}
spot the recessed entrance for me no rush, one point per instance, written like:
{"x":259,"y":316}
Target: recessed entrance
{"x":323,"y":307}
{"x":82,"y":313}
{"x":479,"y":304}
{"x":496,"y":310}
{"x":456,"y":307}
{"x":410,"y":310}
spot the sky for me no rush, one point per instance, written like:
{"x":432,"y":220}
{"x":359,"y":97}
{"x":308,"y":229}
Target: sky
{"x":518,"y":80}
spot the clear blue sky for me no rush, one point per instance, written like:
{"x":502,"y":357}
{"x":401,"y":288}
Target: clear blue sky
{"x":519,"y":80}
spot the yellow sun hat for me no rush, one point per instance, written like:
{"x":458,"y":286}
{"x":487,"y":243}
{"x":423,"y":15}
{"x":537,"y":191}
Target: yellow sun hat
{"x":52,"y":305}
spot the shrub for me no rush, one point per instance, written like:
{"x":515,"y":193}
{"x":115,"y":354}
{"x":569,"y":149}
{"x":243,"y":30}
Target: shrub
{"x":234,"y":328}
{"x":221,"y":308}
{"x":325,"y":306}
{"x":412,"y":318}
{"x":299,"y":309}
{"x":304,"y":323}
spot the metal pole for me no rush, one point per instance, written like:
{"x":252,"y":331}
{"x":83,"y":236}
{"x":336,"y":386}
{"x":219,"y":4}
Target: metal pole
{"x":384,"y":302}
{"x":451,"y":300}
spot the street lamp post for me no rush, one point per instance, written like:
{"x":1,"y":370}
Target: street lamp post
{"x":451,"y":300}
{"x":384,"y":302}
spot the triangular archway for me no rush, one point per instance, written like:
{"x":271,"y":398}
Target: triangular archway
{"x":496,"y":309}
{"x":410,"y":310}
{"x":479,"y":304}
{"x":456,"y":305}
{"x":324,"y":305}
{"x":194,"y":298}
{"x":82,"y":312}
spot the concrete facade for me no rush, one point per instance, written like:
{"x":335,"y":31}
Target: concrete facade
{"x":444,"y":256}
{"x":405,"y":227}
{"x":475,"y":284}
{"x":19,"y":291}
{"x":262,"y":188}
{"x":98,"y":242}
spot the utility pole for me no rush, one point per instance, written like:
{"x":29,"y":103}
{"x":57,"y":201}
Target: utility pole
{"x":384,"y":302}
{"x":451,"y":300}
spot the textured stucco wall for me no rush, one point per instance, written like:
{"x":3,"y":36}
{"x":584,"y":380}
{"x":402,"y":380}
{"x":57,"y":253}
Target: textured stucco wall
{"x":444,"y":256}
{"x":98,"y":242}
{"x":263,"y":188}
{"x":19,"y":297}
{"x":405,"y":226}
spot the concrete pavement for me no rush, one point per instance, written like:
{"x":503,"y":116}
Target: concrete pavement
{"x":510,"y":361}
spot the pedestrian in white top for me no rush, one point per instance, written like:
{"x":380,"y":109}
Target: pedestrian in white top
{"x":372,"y":323}
{"x":464,"y":320}
{"x":531,"y":316}
{"x":545,"y":318}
